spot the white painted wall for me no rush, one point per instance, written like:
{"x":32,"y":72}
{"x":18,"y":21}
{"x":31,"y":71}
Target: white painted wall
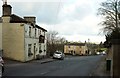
{"x":44,"y":45}
{"x":32,"y":40}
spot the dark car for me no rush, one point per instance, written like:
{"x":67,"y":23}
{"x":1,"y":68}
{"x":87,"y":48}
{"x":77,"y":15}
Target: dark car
{"x":59,"y":55}
{"x":1,"y":66}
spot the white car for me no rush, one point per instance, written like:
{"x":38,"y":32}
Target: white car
{"x":59,"y":55}
{"x":98,"y":53}
{"x":104,"y":53}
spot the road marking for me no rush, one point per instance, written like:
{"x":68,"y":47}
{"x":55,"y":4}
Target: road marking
{"x":44,"y":73}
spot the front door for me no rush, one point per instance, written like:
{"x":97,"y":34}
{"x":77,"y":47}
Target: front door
{"x":35,"y":51}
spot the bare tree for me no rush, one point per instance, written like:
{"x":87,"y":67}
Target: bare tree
{"x":60,"y":43}
{"x":110,"y":11}
{"x":54,"y":42}
{"x":51,"y":39}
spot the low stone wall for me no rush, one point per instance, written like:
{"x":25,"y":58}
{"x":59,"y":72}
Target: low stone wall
{"x":116,"y":57}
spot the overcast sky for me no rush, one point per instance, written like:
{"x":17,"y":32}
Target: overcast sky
{"x":76,"y":20}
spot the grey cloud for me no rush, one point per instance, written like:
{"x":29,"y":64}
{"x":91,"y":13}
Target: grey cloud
{"x":79,"y":13}
{"x":49,"y":13}
{"x":46,"y":12}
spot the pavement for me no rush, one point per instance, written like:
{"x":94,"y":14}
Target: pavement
{"x":100,"y":70}
{"x":45,"y":60}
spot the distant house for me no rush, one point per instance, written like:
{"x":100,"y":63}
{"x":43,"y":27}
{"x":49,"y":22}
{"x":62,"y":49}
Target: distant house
{"x":23,"y":40}
{"x":76,"y":49}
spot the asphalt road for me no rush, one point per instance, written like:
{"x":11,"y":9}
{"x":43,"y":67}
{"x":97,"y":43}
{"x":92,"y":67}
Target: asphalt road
{"x":70,"y":66}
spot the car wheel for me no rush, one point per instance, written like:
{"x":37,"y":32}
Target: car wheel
{"x":62,"y":58}
{"x":53,"y":57}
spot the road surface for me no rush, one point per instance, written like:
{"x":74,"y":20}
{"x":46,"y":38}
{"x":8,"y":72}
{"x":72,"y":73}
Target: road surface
{"x":70,"y":66}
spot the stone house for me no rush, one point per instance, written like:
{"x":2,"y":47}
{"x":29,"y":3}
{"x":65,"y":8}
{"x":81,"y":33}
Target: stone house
{"x":76,"y":49}
{"x":23,"y":40}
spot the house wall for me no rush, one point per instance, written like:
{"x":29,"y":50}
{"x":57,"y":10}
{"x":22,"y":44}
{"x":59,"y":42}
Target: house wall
{"x":77,"y":50}
{"x":43,"y":48}
{"x":33,"y":40}
{"x":80,"y":50}
{"x":13,"y":41}
{"x":0,"y":36}
{"x":34,"y":51}
{"x":43,"y":45}
{"x":0,"y":39}
{"x":66,"y":49}
{"x":84,"y":49}
{"x":69,"y":48}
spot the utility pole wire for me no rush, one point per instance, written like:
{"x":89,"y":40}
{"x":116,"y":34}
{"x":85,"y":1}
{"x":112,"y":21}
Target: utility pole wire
{"x":57,"y":12}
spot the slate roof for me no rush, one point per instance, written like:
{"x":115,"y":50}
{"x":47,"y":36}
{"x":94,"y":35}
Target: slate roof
{"x":76,"y":44}
{"x":16,"y":19}
{"x":41,"y":28}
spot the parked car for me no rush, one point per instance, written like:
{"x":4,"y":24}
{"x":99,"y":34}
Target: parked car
{"x":103,"y":53}
{"x":1,"y":66}
{"x":98,"y":53}
{"x":58,"y":55}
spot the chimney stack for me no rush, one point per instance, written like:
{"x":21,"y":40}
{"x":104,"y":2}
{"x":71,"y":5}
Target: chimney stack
{"x":7,"y":9}
{"x":31,"y":19}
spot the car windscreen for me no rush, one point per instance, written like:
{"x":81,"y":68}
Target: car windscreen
{"x":58,"y":53}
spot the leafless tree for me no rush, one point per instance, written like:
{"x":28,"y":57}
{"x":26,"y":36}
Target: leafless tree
{"x":54,"y":42}
{"x":110,"y":10}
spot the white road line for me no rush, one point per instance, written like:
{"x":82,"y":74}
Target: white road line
{"x":44,"y":73}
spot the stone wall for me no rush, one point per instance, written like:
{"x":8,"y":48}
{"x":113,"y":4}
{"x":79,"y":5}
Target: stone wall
{"x":116,"y":57}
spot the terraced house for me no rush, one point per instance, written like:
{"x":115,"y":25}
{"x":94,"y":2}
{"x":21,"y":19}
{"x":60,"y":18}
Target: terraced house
{"x":76,"y":49}
{"x":23,"y":40}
